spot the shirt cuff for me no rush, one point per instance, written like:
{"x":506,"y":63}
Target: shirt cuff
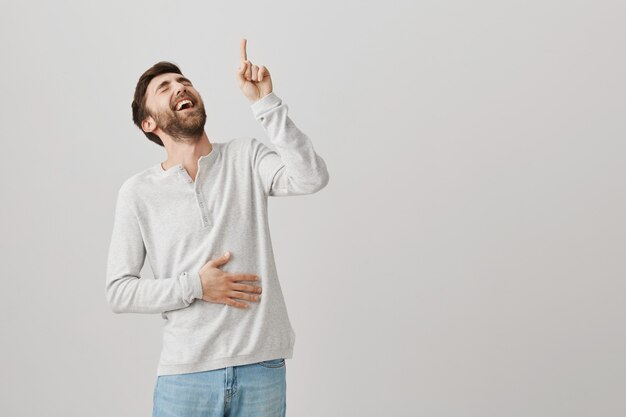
{"x":192,"y":286}
{"x":265,"y":103}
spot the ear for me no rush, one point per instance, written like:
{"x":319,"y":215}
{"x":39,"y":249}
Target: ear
{"x":148,"y":124}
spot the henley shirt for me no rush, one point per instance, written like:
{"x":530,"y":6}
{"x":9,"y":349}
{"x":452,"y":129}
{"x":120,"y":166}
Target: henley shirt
{"x":179,"y":224}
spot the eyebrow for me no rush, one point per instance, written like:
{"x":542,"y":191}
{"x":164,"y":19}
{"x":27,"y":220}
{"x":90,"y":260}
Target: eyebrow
{"x":166,"y":82}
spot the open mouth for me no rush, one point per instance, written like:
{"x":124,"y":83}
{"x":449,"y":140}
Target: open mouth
{"x":184,"y":105}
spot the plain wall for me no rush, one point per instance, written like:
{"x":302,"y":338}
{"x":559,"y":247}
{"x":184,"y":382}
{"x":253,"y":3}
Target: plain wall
{"x":467,"y":257}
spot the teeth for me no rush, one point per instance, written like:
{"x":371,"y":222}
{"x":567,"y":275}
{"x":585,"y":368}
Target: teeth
{"x":180,"y":104}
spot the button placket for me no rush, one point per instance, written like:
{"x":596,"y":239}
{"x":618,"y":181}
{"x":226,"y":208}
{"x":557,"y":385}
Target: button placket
{"x":196,"y":186}
{"x":185,"y":175}
{"x":203,"y":210}
{"x":202,"y":206}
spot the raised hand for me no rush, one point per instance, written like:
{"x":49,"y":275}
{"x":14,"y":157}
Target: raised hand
{"x":219,"y":286}
{"x":255,"y":82}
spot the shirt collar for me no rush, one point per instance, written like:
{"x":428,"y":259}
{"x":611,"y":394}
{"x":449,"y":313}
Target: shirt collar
{"x":203,"y":160}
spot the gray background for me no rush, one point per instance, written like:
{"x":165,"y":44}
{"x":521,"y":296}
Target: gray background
{"x":466,"y":259}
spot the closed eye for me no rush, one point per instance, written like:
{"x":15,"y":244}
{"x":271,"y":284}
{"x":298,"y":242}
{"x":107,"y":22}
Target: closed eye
{"x":164,"y":85}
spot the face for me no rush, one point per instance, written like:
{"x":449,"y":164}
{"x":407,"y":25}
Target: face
{"x":163,"y":96}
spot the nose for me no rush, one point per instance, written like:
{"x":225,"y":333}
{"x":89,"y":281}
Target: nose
{"x":180,"y":88}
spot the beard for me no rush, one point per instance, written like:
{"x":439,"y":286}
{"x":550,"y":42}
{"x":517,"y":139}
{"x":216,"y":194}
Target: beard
{"x":183,"y":125}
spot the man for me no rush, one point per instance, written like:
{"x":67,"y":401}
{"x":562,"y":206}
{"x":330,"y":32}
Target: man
{"x":200,"y":218}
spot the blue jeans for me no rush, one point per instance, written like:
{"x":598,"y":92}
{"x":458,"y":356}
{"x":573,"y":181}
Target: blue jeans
{"x":252,"y":390}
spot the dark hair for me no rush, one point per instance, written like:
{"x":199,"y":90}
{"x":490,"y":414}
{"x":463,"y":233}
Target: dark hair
{"x":140,"y":111}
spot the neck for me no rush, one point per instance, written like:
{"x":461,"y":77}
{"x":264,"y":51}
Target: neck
{"x":186,"y":153}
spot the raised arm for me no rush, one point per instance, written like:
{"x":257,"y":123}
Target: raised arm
{"x":125,"y":291}
{"x":294,"y":168}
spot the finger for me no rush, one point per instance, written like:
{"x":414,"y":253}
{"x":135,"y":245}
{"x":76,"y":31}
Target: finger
{"x":246,"y":287}
{"x":243,"y":277}
{"x":263,"y":72}
{"x":234,"y":303}
{"x":248,"y":70}
{"x":244,"y":296}
{"x":242,"y":50}
{"x":255,"y":73}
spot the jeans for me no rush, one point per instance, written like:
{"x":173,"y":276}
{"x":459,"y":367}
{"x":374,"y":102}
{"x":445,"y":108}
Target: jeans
{"x":252,"y":390}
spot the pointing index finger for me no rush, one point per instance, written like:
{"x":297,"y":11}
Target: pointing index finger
{"x":242,"y":50}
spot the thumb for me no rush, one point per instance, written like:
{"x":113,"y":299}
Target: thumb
{"x":221,"y":260}
{"x":241,"y":71}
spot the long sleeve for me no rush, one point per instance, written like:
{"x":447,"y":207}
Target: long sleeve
{"x":294,"y":168}
{"x":125,"y":291}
